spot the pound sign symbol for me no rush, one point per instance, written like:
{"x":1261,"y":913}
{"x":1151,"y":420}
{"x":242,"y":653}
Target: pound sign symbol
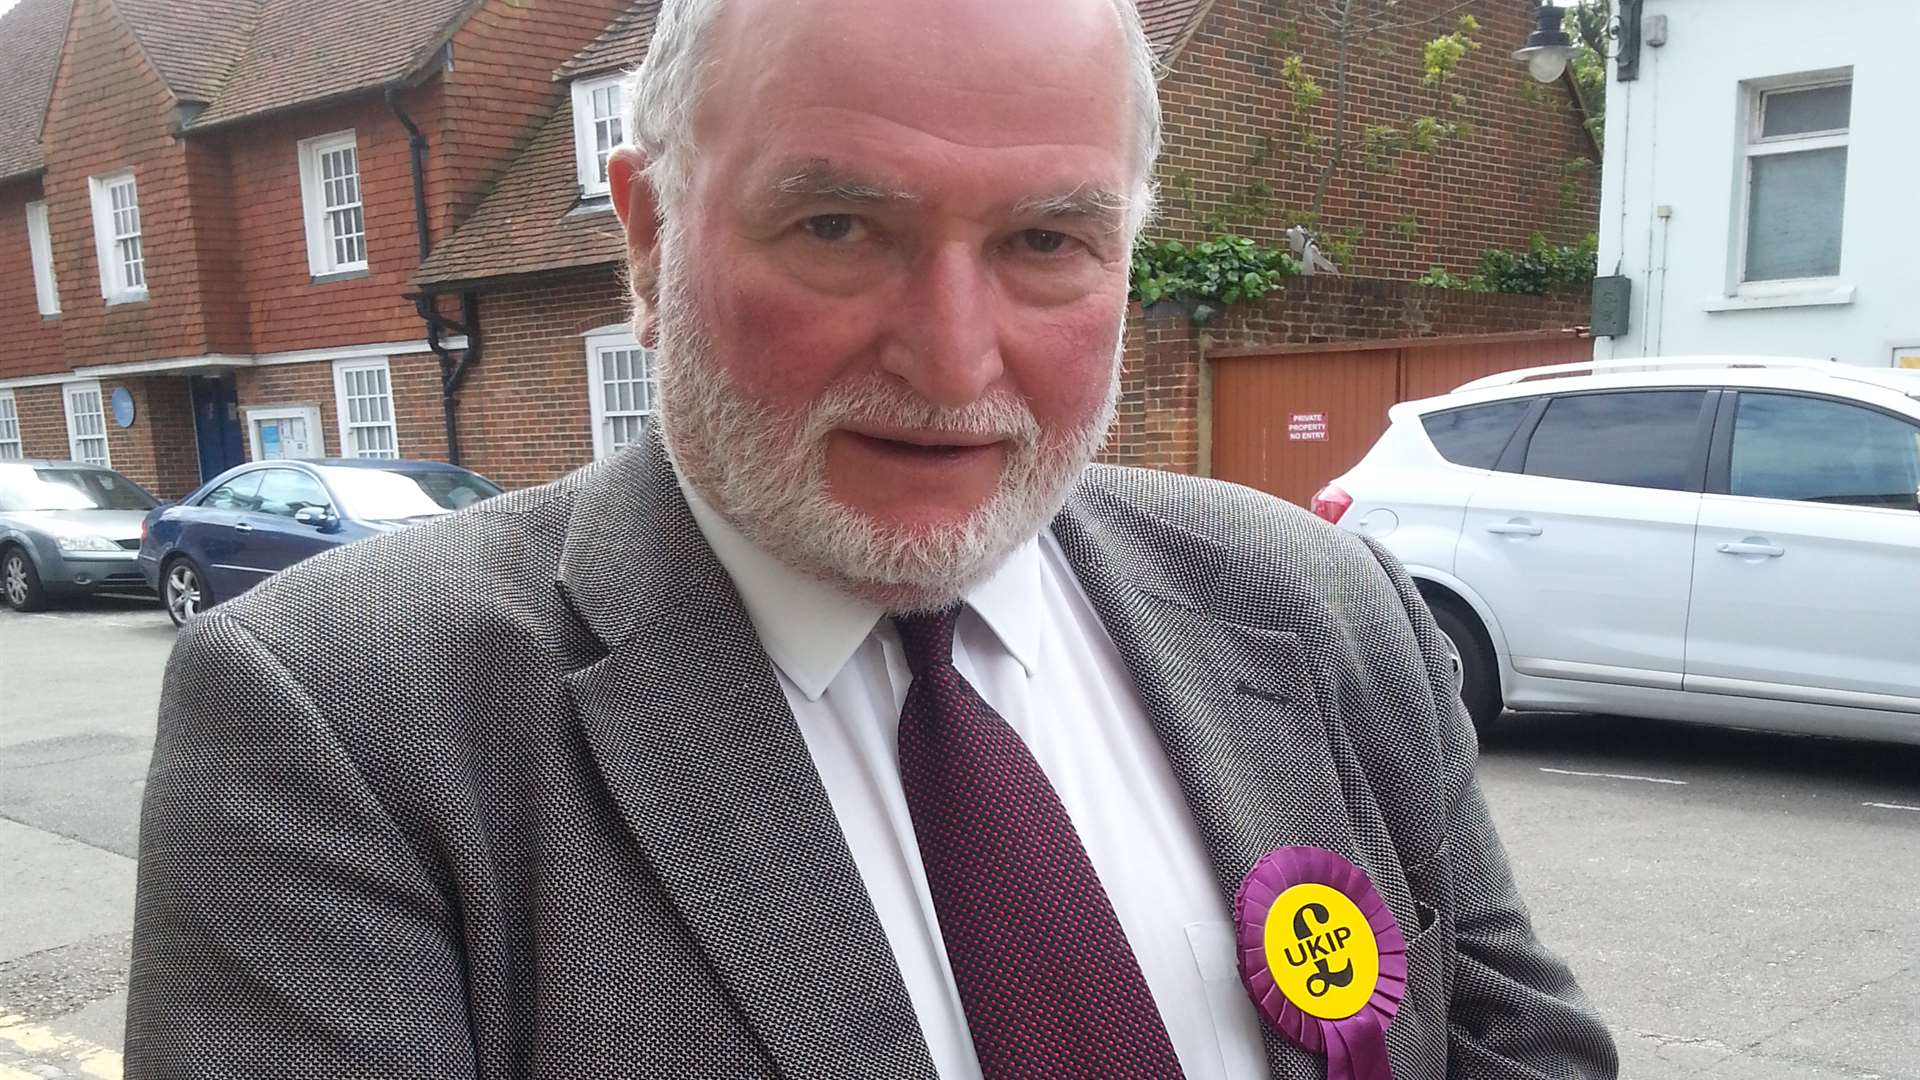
{"x":1324,"y":978}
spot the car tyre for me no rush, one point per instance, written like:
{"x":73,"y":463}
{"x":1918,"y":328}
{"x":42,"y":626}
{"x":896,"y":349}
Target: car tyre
{"x":20,"y":582}
{"x":183,"y":586}
{"x":1479,"y":675}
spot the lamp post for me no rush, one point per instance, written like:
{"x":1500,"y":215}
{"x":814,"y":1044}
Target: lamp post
{"x":1548,"y":48}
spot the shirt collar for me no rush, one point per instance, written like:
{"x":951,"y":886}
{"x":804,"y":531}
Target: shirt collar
{"x":810,"y":629}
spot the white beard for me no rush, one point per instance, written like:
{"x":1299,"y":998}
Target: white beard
{"x":765,"y":470}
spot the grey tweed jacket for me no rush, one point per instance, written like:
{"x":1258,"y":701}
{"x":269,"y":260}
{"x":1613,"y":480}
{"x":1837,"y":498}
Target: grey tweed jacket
{"x":517,"y":794}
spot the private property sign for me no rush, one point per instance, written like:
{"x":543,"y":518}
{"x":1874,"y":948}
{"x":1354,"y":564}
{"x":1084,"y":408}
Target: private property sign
{"x":1307,"y":427}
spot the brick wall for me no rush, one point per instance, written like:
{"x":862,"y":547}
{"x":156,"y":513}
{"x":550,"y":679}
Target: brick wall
{"x":525,"y":417}
{"x":43,"y":421}
{"x":29,"y":343}
{"x":1161,"y":414}
{"x":159,"y":451}
{"x":284,"y":308}
{"x":414,"y":381}
{"x":109,"y":112}
{"x":1508,"y":178}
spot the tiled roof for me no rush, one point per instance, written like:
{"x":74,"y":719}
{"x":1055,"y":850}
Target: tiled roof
{"x":527,"y":224}
{"x":193,"y":44}
{"x":30,"y":38}
{"x":524,"y":225}
{"x":622,"y":45}
{"x":308,"y":51}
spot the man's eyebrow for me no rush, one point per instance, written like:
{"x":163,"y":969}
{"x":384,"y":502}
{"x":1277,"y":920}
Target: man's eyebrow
{"x":1085,"y":203}
{"x":822,"y":181}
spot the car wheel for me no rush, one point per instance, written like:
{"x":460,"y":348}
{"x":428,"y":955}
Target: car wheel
{"x":20,"y":582}
{"x":184,"y":588}
{"x":1474,"y":666}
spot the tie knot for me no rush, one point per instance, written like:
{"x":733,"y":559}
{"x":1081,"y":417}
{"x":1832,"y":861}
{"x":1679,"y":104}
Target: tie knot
{"x":927,"y":637}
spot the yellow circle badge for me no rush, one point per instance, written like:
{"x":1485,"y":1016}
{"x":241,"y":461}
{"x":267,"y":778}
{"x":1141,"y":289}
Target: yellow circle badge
{"x":1322,"y":951}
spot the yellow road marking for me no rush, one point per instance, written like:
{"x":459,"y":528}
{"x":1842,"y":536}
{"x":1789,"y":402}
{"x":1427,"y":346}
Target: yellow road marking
{"x":40,"y":1041}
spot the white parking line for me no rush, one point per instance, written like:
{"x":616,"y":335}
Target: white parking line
{"x":1616,"y":776}
{"x":1891,"y":806}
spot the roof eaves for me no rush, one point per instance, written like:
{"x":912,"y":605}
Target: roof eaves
{"x":1186,"y":36}
{"x":370,"y":89}
{"x":22,"y":174}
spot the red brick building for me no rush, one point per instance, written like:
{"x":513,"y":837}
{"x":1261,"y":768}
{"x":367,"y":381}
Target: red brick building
{"x":210,"y":210}
{"x":258,"y":306}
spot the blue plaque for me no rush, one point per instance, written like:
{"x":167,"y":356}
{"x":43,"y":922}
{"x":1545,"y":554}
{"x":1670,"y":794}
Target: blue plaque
{"x":122,"y":407}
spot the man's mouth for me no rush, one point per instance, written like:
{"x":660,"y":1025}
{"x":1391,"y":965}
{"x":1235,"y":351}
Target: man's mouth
{"x":924,"y":445}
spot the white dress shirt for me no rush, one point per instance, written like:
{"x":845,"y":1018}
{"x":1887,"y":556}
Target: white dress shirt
{"x":1032,"y":645}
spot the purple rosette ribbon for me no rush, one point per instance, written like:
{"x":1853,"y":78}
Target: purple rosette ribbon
{"x":1323,"y":957}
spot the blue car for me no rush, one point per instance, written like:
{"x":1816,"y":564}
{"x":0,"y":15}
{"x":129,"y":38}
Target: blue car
{"x":262,"y":517}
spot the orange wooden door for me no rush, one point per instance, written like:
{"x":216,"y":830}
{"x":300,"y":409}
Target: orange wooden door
{"x":1287,"y":424}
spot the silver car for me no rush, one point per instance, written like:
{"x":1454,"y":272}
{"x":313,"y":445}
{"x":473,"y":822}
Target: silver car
{"x":68,"y":528}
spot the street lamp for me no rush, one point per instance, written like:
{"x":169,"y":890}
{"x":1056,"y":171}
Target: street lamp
{"x":1548,"y":48}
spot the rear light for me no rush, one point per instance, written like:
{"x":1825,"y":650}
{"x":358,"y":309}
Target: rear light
{"x":143,"y":532}
{"x":1331,"y":504}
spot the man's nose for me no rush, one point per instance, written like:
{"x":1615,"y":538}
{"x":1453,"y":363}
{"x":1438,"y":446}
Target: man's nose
{"x":945,"y":342}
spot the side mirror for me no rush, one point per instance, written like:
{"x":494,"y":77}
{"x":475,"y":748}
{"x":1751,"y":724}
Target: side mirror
{"x":320,"y":517}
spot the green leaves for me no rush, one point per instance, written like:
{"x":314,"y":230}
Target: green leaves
{"x":1541,"y":269}
{"x":1226,"y":270}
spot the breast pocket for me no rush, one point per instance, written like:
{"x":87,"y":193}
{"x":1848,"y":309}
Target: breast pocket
{"x":1236,"y":1024}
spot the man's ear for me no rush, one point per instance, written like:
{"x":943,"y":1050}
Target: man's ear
{"x":638,"y":207}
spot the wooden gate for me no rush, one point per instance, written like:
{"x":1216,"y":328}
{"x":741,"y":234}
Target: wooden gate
{"x":1286,"y":420}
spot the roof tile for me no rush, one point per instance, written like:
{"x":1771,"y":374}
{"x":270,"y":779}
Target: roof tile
{"x":30,"y":37}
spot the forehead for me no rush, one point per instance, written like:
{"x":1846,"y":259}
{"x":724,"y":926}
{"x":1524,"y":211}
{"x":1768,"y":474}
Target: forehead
{"x":922,"y":93}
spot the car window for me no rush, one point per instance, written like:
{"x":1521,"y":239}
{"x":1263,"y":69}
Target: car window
{"x":1640,"y":438}
{"x":100,"y":489}
{"x":1475,"y":435}
{"x":396,"y":495}
{"x":285,"y":492}
{"x":239,"y":493}
{"x":1815,"y":450}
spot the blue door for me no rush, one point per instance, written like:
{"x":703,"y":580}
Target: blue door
{"x":216,"y":421}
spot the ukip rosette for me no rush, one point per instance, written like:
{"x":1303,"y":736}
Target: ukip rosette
{"x":1323,"y":957}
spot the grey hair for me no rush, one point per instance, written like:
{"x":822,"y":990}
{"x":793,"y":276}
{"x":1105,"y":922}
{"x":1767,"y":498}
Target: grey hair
{"x":664,"y":96}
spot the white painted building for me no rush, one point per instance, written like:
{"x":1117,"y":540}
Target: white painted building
{"x":1762,"y":182}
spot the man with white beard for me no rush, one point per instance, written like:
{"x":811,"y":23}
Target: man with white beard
{"x":853,"y":725}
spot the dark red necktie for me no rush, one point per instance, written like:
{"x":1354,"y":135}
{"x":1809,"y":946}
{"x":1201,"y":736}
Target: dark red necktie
{"x":1051,"y":988}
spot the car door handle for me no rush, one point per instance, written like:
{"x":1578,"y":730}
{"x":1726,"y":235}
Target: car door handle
{"x":1514,"y":528}
{"x":1767,"y":550}
{"x":241,"y":526}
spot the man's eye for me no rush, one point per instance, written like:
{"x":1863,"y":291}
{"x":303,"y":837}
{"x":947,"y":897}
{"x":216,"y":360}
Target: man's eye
{"x":1043,"y":241}
{"x":831,"y":228}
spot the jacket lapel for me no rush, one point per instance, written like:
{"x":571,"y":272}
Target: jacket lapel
{"x":689,"y":728}
{"x":1235,"y":705}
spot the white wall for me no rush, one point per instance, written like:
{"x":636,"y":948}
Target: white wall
{"x":1675,"y":138}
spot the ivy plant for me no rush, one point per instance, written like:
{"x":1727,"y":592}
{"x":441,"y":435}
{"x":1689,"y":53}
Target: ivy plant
{"x":1541,"y":269}
{"x":1223,"y":271}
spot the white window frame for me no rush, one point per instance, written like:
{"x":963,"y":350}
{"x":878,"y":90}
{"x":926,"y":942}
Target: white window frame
{"x":74,"y":434}
{"x":1753,"y":145}
{"x":341,"y":369}
{"x":46,"y":290}
{"x":322,"y":259}
{"x":599,"y":342}
{"x":107,"y":237}
{"x":586,"y":148}
{"x":308,"y":413}
{"x":12,"y":443}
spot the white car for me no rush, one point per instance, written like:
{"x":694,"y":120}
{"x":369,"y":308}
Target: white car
{"x":1726,"y":540}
